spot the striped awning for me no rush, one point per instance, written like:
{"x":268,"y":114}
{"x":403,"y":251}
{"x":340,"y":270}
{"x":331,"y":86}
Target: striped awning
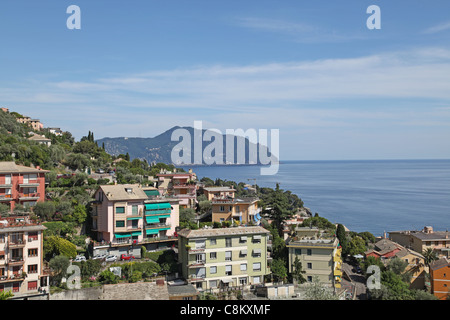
{"x":122,"y":235}
{"x":157,"y":206}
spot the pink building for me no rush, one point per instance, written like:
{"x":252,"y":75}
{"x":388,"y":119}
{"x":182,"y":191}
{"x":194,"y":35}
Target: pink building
{"x":127,"y":215}
{"x":181,"y":185}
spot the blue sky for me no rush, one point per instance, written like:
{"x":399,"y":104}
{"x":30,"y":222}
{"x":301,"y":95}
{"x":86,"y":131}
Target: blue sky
{"x":312,"y":69}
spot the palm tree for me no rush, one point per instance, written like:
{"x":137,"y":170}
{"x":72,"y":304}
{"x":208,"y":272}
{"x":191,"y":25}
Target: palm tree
{"x":430,"y":255}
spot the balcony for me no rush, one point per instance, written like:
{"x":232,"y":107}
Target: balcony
{"x":6,"y":197}
{"x":16,"y":243}
{"x":16,"y":261}
{"x":29,"y":196}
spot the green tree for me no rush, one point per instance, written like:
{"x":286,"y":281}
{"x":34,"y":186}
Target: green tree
{"x":279,"y":209}
{"x":54,"y":246}
{"x":342,"y":236}
{"x":278,"y":269}
{"x":297,"y":271}
{"x":316,"y":291}
{"x":79,"y":213}
{"x":107,"y":277}
{"x":45,"y":210}
{"x":430,"y":255}
{"x":356,"y":246}
{"x":5,"y":295}
{"x":59,"y":265}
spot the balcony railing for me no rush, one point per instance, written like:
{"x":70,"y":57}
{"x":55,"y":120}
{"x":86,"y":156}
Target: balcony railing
{"x":34,"y":195}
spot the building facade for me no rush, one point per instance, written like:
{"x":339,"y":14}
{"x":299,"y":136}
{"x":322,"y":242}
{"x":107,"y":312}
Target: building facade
{"x":21,"y":257}
{"x":242,"y":210}
{"x":224,"y":257}
{"x":440,"y":278}
{"x":21,"y":185}
{"x":421,"y":240}
{"x":180,"y":185}
{"x":128,"y":216}
{"x":319,"y":254}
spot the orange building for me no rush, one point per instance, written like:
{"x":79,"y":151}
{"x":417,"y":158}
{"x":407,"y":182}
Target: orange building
{"x":21,"y":185}
{"x":440,"y":278}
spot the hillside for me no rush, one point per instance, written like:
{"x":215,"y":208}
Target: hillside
{"x":159,"y":148}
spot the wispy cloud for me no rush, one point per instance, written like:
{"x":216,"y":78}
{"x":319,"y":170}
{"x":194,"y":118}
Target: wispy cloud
{"x":295,"y":31}
{"x":438,"y":28}
{"x":314,"y":93}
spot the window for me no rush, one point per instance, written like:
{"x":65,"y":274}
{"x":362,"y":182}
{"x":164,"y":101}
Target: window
{"x":257,"y":239}
{"x":298,"y":252}
{"x":120,"y":209}
{"x":257,"y":280}
{"x":213,"y":242}
{"x":228,"y":270}
{"x":2,"y":237}
{"x":228,"y":242}
{"x":213,"y":270}
{"x":222,"y":209}
{"x":16,"y":287}
{"x":120,"y":224}
{"x":200,"y":244}
{"x":32,"y":236}
{"x":309,"y":265}
{"x":33,"y":268}
{"x":134,"y":209}
{"x":213,"y":283}
{"x":257,"y":266}
{"x":309,"y":252}
{"x":213,"y":255}
{"x":227,"y":255}
{"x":309,"y":278}
{"x":256,"y":253}
{"x":243,"y":239}
{"x":33,"y":252}
{"x":243,"y":267}
{"x":201,"y":258}
{"x":8,"y":179}
{"x":243,"y":281}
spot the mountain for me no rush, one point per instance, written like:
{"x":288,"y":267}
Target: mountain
{"x":159,"y":148}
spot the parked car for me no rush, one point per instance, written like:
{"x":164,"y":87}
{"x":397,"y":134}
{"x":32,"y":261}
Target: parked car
{"x":79,"y":258}
{"x":99,"y":256}
{"x":111,"y":258}
{"x":127,"y":257}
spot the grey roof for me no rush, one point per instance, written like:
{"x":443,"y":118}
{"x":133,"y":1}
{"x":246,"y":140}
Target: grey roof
{"x":119,"y":192}
{"x":443,"y":262}
{"x":12,"y":167}
{"x":212,"y":189}
{"x":221,"y":232}
{"x":182,"y":290}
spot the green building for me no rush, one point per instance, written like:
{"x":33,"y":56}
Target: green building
{"x":224,"y":257}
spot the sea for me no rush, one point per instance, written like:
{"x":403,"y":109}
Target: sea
{"x":378,"y":196}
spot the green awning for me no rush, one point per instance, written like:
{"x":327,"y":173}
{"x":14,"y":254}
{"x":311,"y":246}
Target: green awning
{"x":136,"y":233}
{"x":155,"y":212}
{"x":122,"y":235}
{"x":164,"y":216}
{"x":133,"y":218}
{"x":151,"y":192}
{"x":151,"y":231}
{"x":157,"y":206}
{"x":152,"y":219}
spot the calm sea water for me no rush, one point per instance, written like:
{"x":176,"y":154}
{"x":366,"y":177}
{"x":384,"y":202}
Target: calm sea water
{"x":374,"y":196}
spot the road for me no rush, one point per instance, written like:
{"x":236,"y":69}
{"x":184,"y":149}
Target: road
{"x":358,"y":280}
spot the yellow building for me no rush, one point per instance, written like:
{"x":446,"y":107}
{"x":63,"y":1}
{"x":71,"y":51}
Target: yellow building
{"x":319,"y":254}
{"x":242,"y":210}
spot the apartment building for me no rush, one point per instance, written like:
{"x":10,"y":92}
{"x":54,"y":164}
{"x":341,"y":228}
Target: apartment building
{"x":127,"y":216}
{"x":33,"y":123}
{"x":319,"y":254}
{"x":180,"y":185}
{"x":440,"y":278}
{"x":224,"y":257}
{"x":244,"y":210}
{"x":219,"y":192}
{"x":421,"y":240}
{"x":21,"y":185}
{"x":21,"y":257}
